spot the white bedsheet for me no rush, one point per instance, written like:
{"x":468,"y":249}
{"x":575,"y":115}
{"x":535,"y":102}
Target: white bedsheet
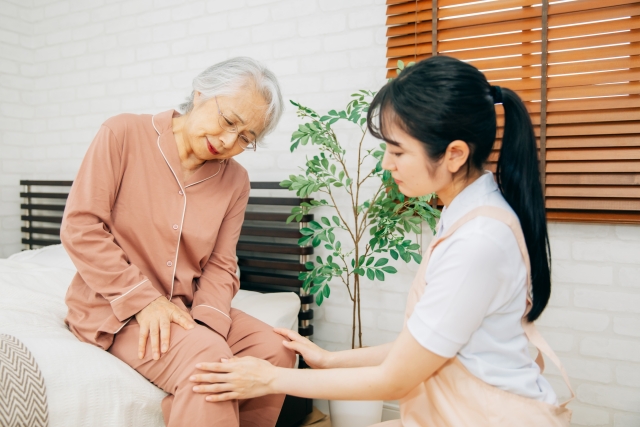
{"x":87,"y":386}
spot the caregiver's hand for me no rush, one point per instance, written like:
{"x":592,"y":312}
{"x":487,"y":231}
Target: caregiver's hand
{"x":235,"y":378}
{"x":155,"y":323}
{"x":313,"y":355}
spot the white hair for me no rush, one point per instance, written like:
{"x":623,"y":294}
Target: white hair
{"x":232,"y":75}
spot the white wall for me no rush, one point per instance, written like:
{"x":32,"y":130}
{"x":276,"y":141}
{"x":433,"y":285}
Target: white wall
{"x":68,"y":65}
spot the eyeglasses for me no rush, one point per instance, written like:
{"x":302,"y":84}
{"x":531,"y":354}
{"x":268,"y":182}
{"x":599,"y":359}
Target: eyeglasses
{"x":229,"y":126}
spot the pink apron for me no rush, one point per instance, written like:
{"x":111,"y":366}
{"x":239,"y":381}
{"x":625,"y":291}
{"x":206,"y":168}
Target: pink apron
{"x":453,"y":396}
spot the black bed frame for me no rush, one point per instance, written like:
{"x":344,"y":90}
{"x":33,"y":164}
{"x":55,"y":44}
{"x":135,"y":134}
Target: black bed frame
{"x":269,"y":256}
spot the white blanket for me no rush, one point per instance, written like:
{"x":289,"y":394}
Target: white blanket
{"x":87,"y":386}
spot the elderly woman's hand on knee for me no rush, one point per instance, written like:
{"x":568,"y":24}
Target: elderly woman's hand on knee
{"x":155,"y":324}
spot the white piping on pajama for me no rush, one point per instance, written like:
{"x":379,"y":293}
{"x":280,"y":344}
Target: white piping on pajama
{"x":116,"y":299}
{"x":184,"y":209}
{"x":208,"y":306}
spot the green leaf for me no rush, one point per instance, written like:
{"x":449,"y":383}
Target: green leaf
{"x":381,"y":262}
{"x":370,"y":274}
{"x":305,"y":231}
{"x":318,"y":280}
{"x":325,"y":221}
{"x":389,"y":269}
{"x":315,"y":225}
{"x":416,"y":257}
{"x":394,"y":254}
{"x":309,"y":265}
{"x":379,"y":275}
{"x":369,"y":261}
{"x":319,"y":298}
{"x":315,"y":289}
{"x":336,"y":220}
{"x":326,"y":291}
{"x":303,"y":241}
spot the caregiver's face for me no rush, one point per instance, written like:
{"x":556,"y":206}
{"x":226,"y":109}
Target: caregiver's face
{"x":410,"y":167}
{"x":211,"y":124}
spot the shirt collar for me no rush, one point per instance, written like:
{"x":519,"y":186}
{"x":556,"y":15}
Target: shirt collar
{"x":468,"y":199}
{"x":163,"y":124}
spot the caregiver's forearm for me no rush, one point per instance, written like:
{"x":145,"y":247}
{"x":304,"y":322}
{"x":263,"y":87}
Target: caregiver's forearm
{"x":359,"y":357}
{"x":367,"y":383}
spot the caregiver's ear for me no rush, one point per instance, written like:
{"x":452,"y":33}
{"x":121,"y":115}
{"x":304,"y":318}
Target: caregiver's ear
{"x":456,"y":155}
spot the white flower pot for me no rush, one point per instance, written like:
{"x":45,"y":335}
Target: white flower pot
{"x":355,"y":413}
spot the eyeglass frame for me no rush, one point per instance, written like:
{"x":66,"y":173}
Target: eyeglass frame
{"x":223,"y":121}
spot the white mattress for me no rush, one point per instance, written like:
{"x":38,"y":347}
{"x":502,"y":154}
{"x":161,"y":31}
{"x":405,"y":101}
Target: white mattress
{"x":87,"y":386}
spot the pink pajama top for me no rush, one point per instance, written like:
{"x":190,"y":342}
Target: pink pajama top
{"x":136,"y":230}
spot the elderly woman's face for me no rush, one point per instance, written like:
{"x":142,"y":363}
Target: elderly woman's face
{"x":208,"y":139}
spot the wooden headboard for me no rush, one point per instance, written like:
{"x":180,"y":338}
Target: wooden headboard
{"x":270,"y":258}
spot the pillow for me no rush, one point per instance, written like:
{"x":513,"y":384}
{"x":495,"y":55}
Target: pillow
{"x":49,"y":256}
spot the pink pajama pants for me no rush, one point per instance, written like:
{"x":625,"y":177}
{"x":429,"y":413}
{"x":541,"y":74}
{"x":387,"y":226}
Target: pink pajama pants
{"x":247,"y":337}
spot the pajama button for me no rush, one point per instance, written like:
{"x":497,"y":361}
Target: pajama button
{"x":175,"y":226}
{"x":169,"y":263}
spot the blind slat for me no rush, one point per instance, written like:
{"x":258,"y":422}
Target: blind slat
{"x":594,"y":116}
{"x":424,"y":15}
{"x":594,"y":179}
{"x":484,"y":7}
{"x":402,"y":30}
{"x":594,"y":154}
{"x":411,"y":6}
{"x":588,"y":191}
{"x":614,"y":12}
{"x":594,"y":141}
{"x":593,"y":204}
{"x":420,"y":49}
{"x":597,"y":167}
{"x":411,"y":39}
{"x":582,"y":5}
{"x":594,"y":129}
{"x":491,"y":18}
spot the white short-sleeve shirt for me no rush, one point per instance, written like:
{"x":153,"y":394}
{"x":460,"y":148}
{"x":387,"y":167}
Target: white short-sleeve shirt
{"x":476,"y":295}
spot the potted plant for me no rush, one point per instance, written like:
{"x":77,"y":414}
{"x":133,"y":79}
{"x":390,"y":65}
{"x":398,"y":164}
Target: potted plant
{"x":376,"y":221}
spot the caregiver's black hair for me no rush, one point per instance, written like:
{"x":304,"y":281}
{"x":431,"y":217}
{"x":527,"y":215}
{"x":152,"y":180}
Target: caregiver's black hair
{"x":442,"y":99}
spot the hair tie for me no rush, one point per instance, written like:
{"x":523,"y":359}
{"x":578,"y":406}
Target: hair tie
{"x":496,"y":93}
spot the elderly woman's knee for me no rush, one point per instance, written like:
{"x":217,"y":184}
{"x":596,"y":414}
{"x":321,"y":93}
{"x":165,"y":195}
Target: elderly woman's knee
{"x":280,"y":355}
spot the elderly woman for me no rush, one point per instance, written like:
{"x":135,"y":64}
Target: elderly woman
{"x":152,"y":223}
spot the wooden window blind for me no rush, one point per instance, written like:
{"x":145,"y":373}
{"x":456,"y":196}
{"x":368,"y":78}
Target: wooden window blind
{"x":576,"y":65}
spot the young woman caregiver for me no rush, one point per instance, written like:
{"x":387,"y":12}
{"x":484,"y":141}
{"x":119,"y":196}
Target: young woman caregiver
{"x":462,"y":358}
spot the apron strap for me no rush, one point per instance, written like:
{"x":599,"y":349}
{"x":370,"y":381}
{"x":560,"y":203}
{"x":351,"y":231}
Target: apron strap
{"x":529,"y":328}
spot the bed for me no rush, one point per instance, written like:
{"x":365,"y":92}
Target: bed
{"x":85,"y":386}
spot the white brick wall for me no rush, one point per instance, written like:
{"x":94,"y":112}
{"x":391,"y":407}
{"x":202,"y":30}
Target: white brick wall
{"x":67,"y":65}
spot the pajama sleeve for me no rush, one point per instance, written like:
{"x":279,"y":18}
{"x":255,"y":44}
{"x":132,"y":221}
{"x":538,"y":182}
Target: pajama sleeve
{"x":219,"y":283}
{"x":85,"y":234}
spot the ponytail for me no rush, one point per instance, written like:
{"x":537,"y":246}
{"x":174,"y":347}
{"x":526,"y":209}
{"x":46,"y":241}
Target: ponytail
{"x":518,"y":178}
{"x":442,"y":99}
